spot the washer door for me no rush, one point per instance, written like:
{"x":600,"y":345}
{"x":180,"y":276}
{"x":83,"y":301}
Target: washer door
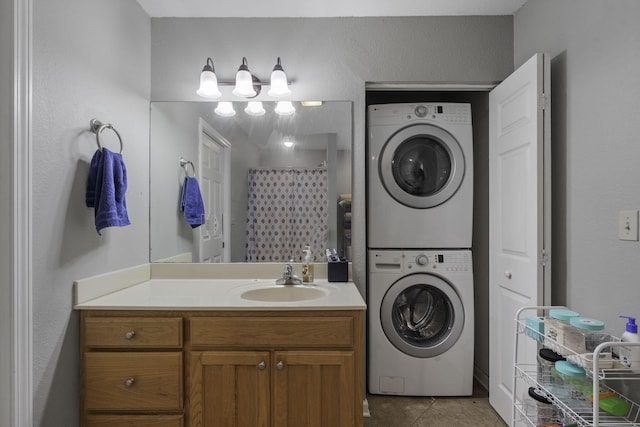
{"x":421,"y":166}
{"x":422,"y":315}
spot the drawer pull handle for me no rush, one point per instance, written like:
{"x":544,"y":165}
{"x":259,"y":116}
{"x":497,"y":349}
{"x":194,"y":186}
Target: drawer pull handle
{"x":280,"y":365}
{"x":129,"y":335}
{"x":129,"y":382}
{"x":262,"y":366}
{"x":508,"y":274}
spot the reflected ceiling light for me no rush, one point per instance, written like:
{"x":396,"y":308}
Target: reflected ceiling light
{"x":311,"y":103}
{"x":285,"y":108}
{"x":279,"y":85}
{"x":288,"y":143}
{"x":254,"y":108}
{"x":208,"y":82}
{"x":246,"y":85}
{"x":225,"y":109}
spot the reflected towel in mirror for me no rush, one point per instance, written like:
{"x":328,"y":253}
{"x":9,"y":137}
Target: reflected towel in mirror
{"x":191,"y":202}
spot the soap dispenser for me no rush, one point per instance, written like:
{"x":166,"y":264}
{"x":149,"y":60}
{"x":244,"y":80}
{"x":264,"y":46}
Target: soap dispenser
{"x":307,"y":267}
{"x":630,"y":355}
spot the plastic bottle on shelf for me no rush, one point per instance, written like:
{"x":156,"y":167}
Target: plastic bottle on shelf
{"x":630,"y":355}
{"x":555,"y":329}
{"x":307,"y":267}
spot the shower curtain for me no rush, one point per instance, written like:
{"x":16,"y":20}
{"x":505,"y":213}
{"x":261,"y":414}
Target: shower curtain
{"x":287,"y":210}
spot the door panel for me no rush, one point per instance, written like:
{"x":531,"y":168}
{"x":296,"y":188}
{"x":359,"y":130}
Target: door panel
{"x":229,"y":389}
{"x":314,"y":389}
{"x":519,"y":215}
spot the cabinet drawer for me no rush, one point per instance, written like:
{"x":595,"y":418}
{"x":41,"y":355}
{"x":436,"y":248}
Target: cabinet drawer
{"x":133,"y":381}
{"x":272,"y":331}
{"x":133,"y":332}
{"x":135,"y":421}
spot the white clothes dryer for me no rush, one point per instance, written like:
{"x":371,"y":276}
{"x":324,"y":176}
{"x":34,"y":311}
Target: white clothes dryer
{"x":421,"y":325}
{"x":420,"y":176}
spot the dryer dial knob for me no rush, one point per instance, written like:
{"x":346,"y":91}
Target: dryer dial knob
{"x":422,"y":259}
{"x":421,"y":111}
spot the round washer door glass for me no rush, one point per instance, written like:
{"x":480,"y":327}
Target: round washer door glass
{"x":422,"y":315}
{"x":421,"y":166}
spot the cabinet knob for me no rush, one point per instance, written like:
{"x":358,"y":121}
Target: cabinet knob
{"x":128,"y":383}
{"x":129,"y":335}
{"x":280,"y":365}
{"x":262,"y":366}
{"x":508,"y":274}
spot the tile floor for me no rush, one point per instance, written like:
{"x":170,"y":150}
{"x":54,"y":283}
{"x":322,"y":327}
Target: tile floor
{"x":402,"y":411}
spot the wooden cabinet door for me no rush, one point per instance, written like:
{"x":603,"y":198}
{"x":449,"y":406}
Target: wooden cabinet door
{"x":229,"y":389}
{"x":314,"y":389}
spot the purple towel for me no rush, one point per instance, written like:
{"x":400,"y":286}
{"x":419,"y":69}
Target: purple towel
{"x":191,"y":202}
{"x":106,"y":188}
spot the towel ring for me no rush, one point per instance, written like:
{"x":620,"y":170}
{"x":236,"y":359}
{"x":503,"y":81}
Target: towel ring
{"x":97,"y":127}
{"x":184,"y":162}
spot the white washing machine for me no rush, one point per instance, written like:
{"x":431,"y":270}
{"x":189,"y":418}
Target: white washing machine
{"x":420,"y":319}
{"x":420,"y":176}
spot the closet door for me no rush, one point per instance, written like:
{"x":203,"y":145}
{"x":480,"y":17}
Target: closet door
{"x":519,"y":215}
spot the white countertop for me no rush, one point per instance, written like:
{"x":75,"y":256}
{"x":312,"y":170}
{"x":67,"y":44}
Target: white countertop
{"x":202,"y":294}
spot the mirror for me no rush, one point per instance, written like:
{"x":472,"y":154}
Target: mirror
{"x":263,"y":202}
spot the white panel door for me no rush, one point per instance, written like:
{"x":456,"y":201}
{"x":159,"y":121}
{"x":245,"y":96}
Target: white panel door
{"x":210,"y":236}
{"x":519,"y":216}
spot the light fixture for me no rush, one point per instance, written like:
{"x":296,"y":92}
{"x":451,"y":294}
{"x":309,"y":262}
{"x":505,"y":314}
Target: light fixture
{"x":311,"y":103}
{"x":225,"y":109}
{"x":254,"y":108}
{"x":246,"y":85}
{"x":287,"y":143}
{"x":279,"y":85}
{"x":208,"y":82}
{"x":244,"y":82}
{"x":285,"y":108}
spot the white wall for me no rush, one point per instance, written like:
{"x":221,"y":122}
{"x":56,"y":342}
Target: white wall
{"x":6,"y":181}
{"x":91,"y":59}
{"x":596,"y":147}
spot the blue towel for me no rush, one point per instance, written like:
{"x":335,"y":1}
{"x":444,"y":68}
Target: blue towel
{"x":191,"y":202}
{"x":106,"y":188}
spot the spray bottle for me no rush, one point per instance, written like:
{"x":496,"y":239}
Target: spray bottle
{"x":630,"y":355}
{"x":307,"y":267}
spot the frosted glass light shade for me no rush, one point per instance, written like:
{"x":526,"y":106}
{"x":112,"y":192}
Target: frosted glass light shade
{"x":279,"y":84}
{"x":254,"y":108}
{"x":208,"y":85}
{"x":244,"y":82}
{"x":285,"y":108}
{"x":288,"y":143}
{"x":225,"y":109}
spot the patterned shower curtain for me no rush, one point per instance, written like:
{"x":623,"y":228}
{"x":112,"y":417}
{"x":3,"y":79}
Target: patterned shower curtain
{"x":287,"y":211}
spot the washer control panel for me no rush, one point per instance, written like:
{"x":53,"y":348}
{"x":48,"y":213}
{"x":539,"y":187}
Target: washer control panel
{"x":449,"y":261}
{"x":415,"y":261}
{"x":397,"y":114}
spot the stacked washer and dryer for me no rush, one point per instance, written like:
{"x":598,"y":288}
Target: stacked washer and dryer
{"x":420,"y":276}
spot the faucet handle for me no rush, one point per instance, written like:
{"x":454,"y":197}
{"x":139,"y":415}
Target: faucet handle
{"x":288,"y":271}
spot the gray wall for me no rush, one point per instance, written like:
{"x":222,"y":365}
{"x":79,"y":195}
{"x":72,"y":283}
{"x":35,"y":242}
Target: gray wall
{"x":6,"y":146}
{"x":91,"y":59}
{"x":595,"y":127}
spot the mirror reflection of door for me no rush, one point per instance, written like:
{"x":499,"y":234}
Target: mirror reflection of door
{"x":213,"y":173}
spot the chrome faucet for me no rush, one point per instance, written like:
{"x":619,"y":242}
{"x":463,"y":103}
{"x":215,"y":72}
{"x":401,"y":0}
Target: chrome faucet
{"x":287,"y":277}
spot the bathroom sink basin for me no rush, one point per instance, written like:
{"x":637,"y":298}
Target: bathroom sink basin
{"x":283,"y":293}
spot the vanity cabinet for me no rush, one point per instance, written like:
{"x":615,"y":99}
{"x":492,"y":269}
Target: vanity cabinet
{"x":221,"y":368}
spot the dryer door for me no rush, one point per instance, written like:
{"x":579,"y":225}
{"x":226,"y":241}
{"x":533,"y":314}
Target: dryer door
{"x":422,"y":315}
{"x":421,"y":166}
